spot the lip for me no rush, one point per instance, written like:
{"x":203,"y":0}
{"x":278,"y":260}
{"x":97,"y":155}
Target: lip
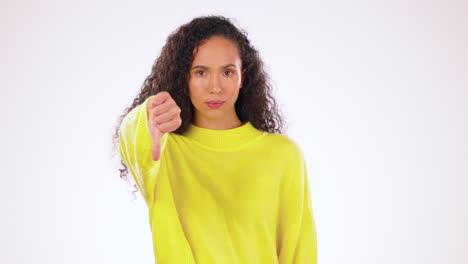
{"x":214,"y":104}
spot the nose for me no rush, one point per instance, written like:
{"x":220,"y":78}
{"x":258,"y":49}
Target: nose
{"x":215,"y":84}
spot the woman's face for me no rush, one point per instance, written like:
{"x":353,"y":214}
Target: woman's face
{"x":215,"y":76}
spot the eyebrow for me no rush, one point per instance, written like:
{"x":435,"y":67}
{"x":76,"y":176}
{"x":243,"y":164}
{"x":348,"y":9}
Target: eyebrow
{"x":205,"y":67}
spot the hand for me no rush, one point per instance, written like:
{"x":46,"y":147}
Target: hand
{"x":163,"y":117}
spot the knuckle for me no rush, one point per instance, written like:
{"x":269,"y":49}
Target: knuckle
{"x":160,"y":97}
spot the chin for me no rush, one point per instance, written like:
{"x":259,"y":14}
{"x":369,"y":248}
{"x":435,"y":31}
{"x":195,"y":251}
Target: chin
{"x":217,"y":115}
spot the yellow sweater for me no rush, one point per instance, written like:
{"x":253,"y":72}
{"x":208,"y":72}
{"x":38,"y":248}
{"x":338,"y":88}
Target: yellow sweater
{"x":235,"y":196}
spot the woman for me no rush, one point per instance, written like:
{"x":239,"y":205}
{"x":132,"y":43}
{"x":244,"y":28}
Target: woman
{"x":203,"y":142}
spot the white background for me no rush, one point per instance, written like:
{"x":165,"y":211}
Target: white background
{"x":374,"y":92}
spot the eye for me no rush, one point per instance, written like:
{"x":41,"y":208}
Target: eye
{"x":230,"y":72}
{"x":196,"y":73}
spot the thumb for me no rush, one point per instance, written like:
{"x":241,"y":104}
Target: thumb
{"x":156,"y":144}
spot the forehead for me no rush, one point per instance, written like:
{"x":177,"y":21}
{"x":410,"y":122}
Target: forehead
{"x":216,"y":51}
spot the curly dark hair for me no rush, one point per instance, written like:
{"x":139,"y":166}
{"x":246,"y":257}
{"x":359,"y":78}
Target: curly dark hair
{"x":169,"y":72}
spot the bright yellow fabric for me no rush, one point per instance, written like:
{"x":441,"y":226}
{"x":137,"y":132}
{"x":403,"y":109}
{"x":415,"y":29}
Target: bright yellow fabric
{"x":235,"y":196}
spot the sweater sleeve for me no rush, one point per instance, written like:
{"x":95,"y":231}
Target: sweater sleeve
{"x":296,"y":240}
{"x":135,"y":149}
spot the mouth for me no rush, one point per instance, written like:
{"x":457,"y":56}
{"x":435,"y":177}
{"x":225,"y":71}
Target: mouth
{"x":214,"y":104}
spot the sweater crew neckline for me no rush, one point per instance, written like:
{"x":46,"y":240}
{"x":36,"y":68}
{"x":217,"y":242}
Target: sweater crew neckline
{"x":223,"y":138}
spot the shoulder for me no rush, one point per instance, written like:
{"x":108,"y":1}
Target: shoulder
{"x":292,"y":161}
{"x":286,"y":145}
{"x":283,"y":141}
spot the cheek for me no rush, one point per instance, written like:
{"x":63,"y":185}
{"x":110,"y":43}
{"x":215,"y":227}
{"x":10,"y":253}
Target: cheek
{"x":196,"y":98}
{"x":194,"y":89}
{"x":233,"y":95}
